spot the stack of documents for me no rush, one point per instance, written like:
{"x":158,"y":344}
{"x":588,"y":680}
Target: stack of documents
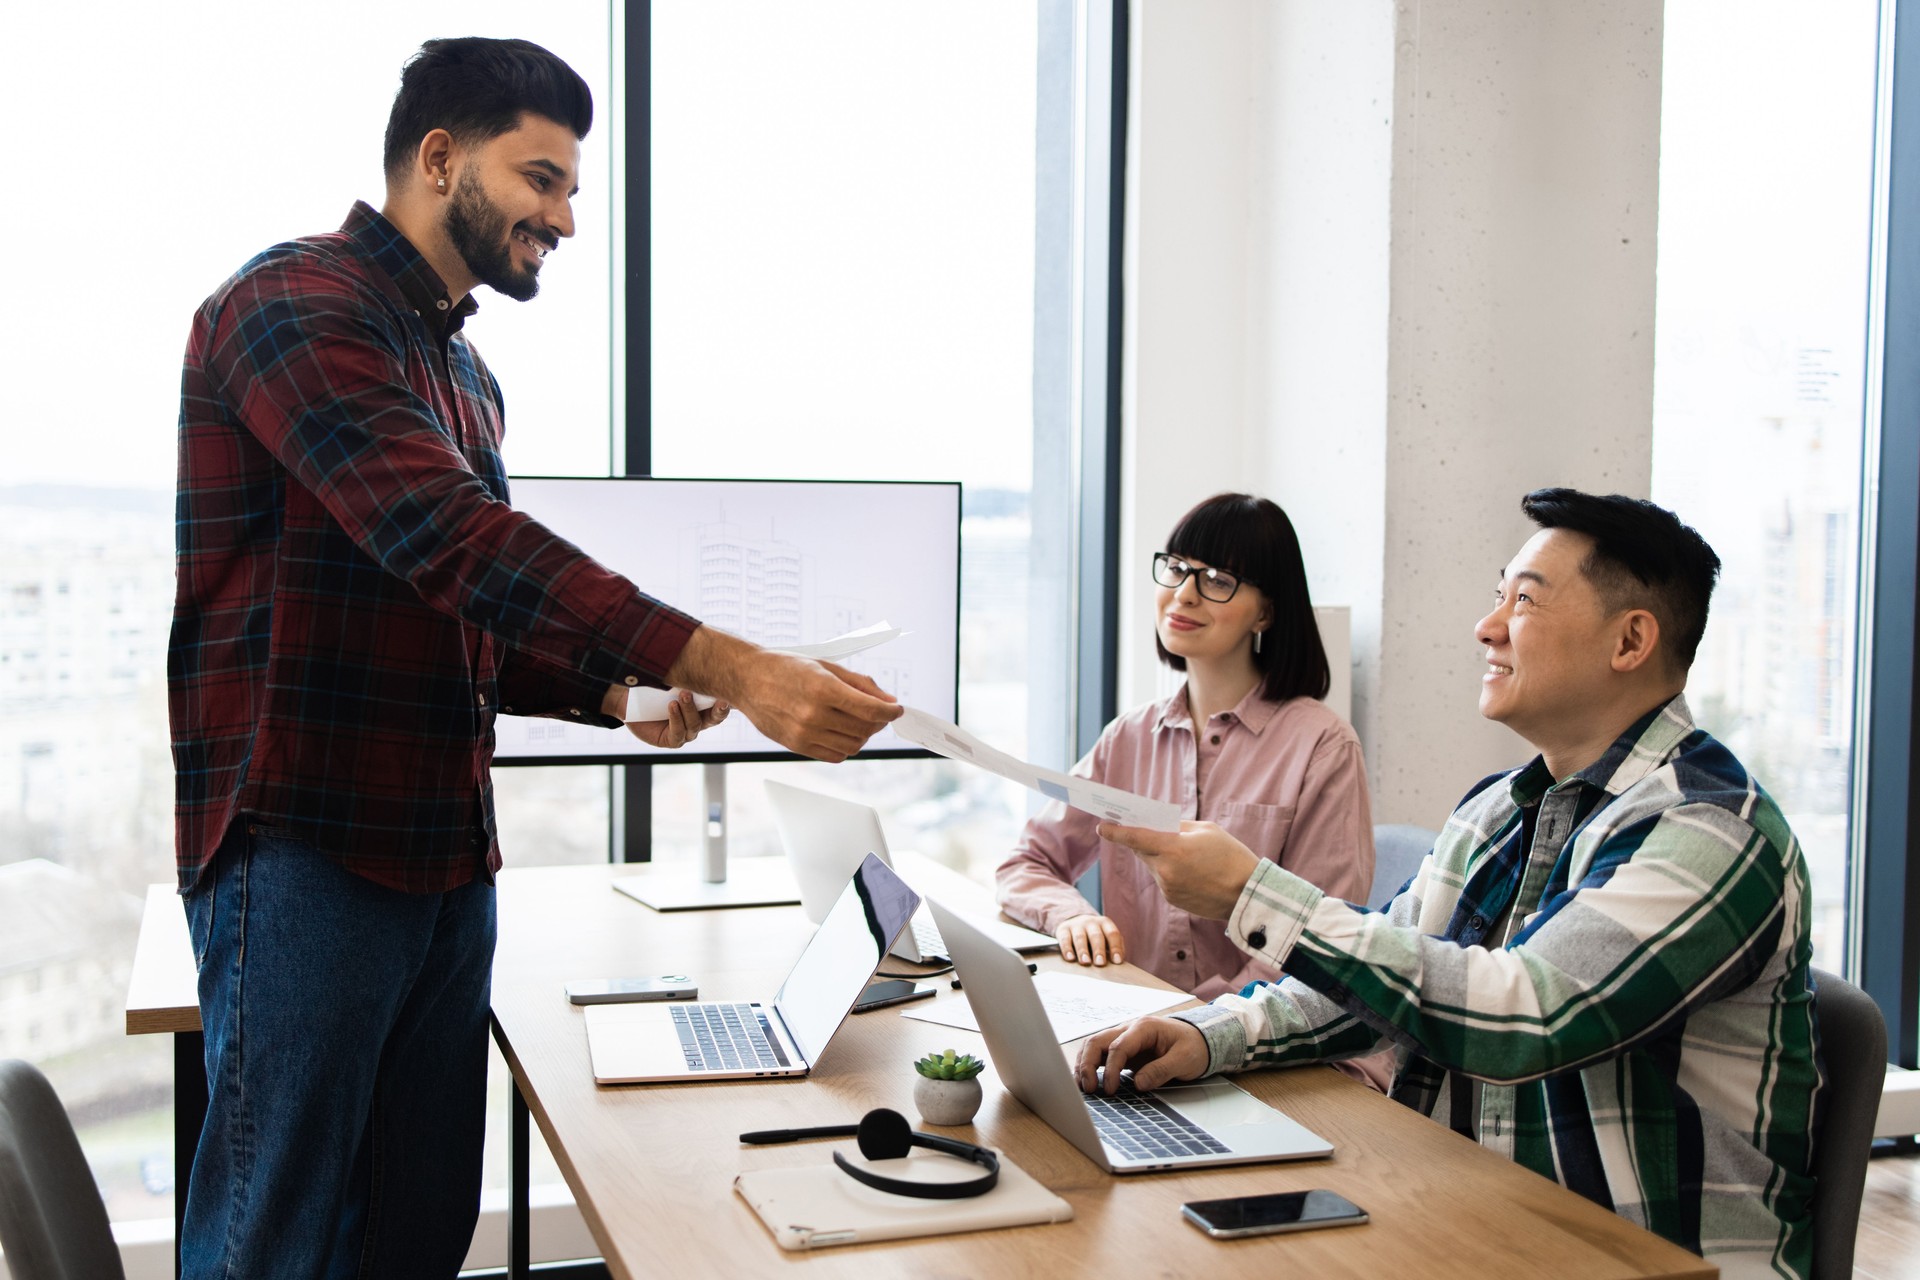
{"x":1102,"y":801}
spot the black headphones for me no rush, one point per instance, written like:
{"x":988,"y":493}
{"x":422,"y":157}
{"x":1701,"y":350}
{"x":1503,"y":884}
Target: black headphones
{"x":885,"y":1135}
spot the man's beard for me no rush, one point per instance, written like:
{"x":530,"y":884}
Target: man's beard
{"x":479,"y":232}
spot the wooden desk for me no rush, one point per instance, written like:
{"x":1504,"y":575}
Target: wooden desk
{"x":163,"y":992}
{"x":652,"y":1166}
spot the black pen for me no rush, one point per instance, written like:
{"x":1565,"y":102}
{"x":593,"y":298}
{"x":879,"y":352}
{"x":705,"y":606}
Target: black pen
{"x":1031,"y":968}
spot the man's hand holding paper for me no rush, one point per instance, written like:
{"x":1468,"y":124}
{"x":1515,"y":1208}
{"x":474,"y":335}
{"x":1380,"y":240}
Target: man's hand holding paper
{"x":805,"y":704}
{"x":645,"y":704}
{"x":682,"y":715}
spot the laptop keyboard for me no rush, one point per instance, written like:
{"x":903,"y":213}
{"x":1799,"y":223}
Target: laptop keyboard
{"x":726,"y":1037}
{"x":926,"y":936}
{"x":1140,"y":1126}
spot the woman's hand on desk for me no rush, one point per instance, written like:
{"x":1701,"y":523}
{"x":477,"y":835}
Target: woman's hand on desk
{"x":1091,"y":939}
{"x":1160,"y":1050}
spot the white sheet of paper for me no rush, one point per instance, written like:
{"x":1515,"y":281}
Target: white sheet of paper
{"x":845,"y":646}
{"x":651,"y":704}
{"x":1096,"y":798}
{"x":1076,"y":1005}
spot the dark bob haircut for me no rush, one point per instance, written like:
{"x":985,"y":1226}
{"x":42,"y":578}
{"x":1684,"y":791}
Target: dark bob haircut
{"x":476,"y":89}
{"x":1643,"y":557}
{"x":1252,"y":539}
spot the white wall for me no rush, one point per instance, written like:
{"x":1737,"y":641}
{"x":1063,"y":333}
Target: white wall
{"x":1321,"y":158}
{"x":1391,"y":265}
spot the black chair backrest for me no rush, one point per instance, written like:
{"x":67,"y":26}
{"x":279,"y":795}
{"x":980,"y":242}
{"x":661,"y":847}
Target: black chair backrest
{"x":53,"y":1225}
{"x":1853,"y":1052}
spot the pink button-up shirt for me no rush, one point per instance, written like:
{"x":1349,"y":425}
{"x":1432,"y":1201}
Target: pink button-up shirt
{"x":1286,"y":778}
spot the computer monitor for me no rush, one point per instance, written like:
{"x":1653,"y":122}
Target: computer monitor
{"x":780,"y":562}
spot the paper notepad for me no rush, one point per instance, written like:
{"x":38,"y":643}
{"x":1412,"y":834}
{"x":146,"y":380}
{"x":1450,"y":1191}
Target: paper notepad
{"x":1076,"y":1004}
{"x":814,"y":1207}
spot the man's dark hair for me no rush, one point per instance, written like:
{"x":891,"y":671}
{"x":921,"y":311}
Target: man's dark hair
{"x":1252,"y":539}
{"x":476,"y":89}
{"x":1643,"y":557}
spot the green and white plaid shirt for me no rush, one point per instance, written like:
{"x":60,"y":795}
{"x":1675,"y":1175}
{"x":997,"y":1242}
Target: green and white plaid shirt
{"x":1645,"y":1037}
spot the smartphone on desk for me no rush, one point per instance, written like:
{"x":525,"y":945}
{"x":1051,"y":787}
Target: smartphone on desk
{"x":893,"y":991}
{"x":1239,"y":1216}
{"x":672,"y":986}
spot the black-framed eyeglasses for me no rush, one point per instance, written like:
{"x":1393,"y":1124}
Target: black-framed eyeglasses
{"x":1217,"y":585}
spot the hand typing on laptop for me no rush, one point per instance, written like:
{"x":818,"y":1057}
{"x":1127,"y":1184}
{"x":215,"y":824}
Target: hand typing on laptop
{"x":1120,"y":1129}
{"x":1159,"y":1051}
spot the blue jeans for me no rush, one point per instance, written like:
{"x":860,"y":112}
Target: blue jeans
{"x":346,"y":1046}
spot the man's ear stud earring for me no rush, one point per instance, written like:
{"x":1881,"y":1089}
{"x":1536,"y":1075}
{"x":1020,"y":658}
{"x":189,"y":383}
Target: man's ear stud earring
{"x":443,"y":183}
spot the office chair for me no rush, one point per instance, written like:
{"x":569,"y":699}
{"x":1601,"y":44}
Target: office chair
{"x":53,"y":1225}
{"x":1853,"y":1051}
{"x":1397,"y":852}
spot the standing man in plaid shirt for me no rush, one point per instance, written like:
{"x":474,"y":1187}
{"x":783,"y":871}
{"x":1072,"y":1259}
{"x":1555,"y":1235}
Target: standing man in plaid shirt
{"x":1601,"y":969}
{"x":357,"y":600}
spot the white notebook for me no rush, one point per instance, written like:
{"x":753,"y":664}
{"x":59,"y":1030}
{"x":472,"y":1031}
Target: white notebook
{"x":814,"y":1207}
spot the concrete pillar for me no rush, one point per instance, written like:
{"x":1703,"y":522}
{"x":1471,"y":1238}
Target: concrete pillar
{"x":1392,"y":265}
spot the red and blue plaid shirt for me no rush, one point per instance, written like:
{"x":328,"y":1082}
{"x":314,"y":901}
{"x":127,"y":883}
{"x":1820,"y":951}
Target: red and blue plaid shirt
{"x":356,"y":600}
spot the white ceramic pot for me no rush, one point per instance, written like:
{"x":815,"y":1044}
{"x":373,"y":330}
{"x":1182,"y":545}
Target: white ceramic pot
{"x":946,"y":1102}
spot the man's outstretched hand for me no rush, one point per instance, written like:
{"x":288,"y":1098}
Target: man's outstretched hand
{"x":817,"y":709}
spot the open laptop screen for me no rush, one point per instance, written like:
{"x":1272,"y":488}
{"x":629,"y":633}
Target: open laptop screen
{"x":846,"y":949}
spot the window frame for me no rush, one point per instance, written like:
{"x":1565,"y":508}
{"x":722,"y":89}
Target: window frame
{"x":1884,"y":920}
{"x":1095,"y":339}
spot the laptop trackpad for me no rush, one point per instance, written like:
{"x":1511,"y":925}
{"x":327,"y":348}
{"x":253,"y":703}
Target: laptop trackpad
{"x":1241,"y":1120}
{"x":633,"y":1042}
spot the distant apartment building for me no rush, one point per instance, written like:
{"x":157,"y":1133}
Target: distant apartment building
{"x":65,"y":956}
{"x":86,"y":595}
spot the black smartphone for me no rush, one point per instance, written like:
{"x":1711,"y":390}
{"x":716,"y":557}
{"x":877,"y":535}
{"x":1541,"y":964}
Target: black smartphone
{"x":1262,"y":1215}
{"x":672,"y":986}
{"x":892,"y":991}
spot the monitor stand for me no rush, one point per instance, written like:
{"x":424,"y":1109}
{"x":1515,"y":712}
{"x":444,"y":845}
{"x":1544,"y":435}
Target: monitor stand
{"x":753,"y":882}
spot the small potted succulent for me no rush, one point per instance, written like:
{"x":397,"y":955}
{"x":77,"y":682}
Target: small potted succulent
{"x":948,"y":1090}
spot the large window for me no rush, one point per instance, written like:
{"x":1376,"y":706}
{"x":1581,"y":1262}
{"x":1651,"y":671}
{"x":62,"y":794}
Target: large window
{"x":1766,"y":178}
{"x":844,"y":286}
{"x":863,"y":263}
{"x":226,"y":127}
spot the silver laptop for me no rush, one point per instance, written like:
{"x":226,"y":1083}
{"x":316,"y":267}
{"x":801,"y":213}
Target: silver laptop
{"x":637,"y":1043}
{"x":1207,"y":1122}
{"x":825,"y":838}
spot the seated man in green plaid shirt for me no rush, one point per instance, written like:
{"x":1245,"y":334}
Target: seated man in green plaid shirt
{"x":1601,"y":970}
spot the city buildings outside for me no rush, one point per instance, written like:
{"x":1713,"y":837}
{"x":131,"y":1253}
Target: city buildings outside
{"x":1760,"y":369}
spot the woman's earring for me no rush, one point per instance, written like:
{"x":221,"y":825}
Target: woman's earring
{"x":1256,"y":640}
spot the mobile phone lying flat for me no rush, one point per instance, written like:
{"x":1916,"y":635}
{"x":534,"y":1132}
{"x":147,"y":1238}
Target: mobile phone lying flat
{"x":1239,"y":1216}
{"x":893,"y":991}
{"x":672,"y":986}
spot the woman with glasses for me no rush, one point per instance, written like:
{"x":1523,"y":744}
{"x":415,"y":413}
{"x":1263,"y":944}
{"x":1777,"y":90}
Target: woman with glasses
{"x":1245,"y":743}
